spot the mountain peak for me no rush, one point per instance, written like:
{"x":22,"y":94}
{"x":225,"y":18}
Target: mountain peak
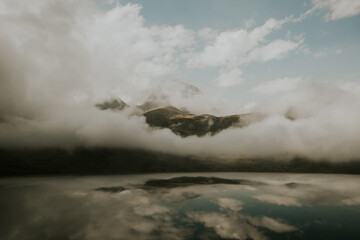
{"x":115,"y":104}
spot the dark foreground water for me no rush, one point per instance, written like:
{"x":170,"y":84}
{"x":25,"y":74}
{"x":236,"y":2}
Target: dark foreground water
{"x":229,"y":206}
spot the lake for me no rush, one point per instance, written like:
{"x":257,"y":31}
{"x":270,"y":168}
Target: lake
{"x":181,"y":206}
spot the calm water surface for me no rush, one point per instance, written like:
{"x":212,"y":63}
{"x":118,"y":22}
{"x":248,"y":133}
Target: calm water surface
{"x":266,"y":206}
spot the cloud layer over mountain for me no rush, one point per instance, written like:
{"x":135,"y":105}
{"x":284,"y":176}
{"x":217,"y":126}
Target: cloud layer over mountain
{"x":59,"y":58}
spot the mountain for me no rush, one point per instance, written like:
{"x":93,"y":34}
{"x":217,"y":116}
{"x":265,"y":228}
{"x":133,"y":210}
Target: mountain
{"x":186,"y":124}
{"x":182,"y":122}
{"x":115,"y":104}
{"x":159,"y":112}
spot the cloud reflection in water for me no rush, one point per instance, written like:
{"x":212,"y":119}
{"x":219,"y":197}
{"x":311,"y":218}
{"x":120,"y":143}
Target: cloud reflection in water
{"x":120,"y":208}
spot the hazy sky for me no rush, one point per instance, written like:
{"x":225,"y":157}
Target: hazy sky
{"x":61,"y":57}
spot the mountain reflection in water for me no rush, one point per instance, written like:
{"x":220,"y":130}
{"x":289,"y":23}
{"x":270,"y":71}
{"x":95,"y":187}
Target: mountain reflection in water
{"x":181,"y":206}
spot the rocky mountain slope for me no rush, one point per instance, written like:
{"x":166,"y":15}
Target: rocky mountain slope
{"x":159,"y":113}
{"x":115,"y":104}
{"x":182,"y":122}
{"x":186,"y":124}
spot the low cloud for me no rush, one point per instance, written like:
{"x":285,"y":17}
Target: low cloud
{"x":277,"y":86}
{"x":228,"y":78}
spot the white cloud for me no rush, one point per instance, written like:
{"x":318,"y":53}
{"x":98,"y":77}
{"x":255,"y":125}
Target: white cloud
{"x":207,"y":33}
{"x":232,"y":47}
{"x":326,"y":52}
{"x":278,"y":86}
{"x":338,"y":8}
{"x":276,"y":49}
{"x":320,"y":54}
{"x":77,"y":51}
{"x":335,"y":9}
{"x":249,"y":22}
{"x":228,"y":78}
{"x":349,"y":86}
{"x":304,"y":49}
{"x":303,"y":15}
